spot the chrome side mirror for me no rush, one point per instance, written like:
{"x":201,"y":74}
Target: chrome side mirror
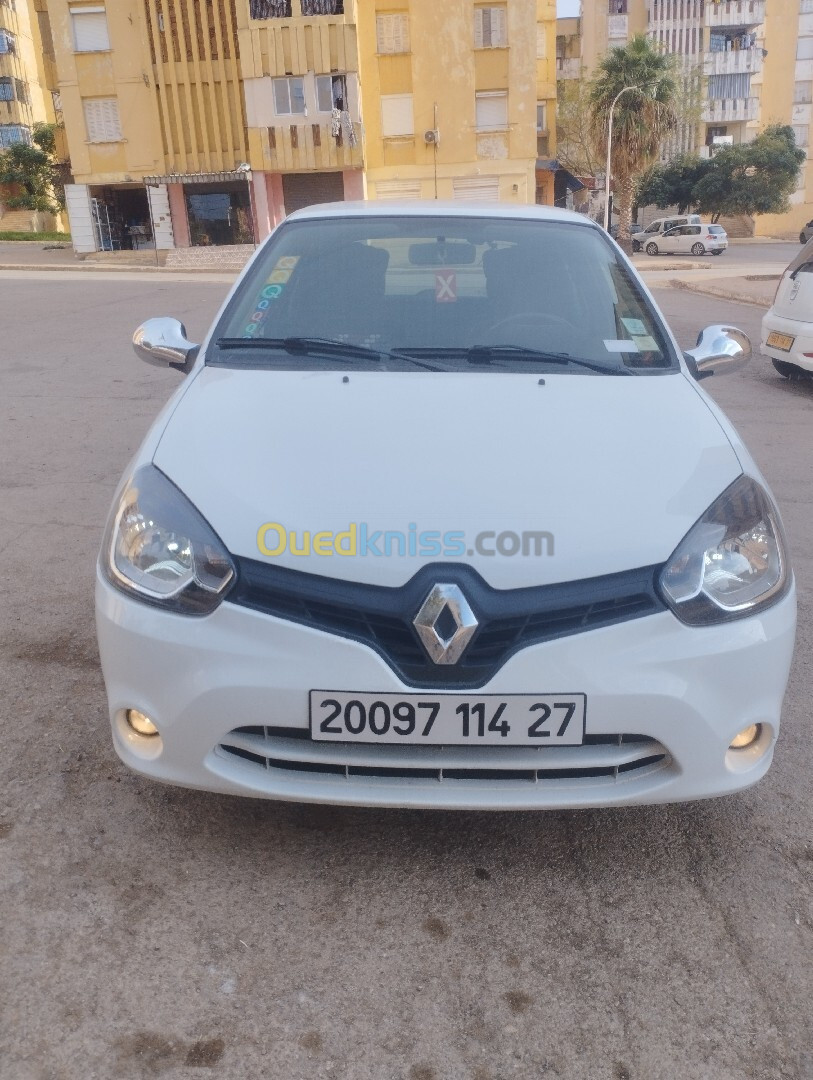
{"x":163,"y":343}
{"x":719,"y":351}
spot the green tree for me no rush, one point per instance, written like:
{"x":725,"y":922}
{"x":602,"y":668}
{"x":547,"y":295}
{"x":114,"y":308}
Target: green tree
{"x":641,"y":120}
{"x":31,"y":174}
{"x":752,"y":178}
{"x":672,"y":183}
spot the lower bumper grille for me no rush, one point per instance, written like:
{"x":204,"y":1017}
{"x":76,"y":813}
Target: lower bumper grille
{"x":601,"y":758}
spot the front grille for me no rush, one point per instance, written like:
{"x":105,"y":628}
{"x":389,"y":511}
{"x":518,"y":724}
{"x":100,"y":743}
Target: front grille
{"x":601,"y":758}
{"x":508,"y":619}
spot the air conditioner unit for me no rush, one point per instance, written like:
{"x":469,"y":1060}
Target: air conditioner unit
{"x":432,"y":137}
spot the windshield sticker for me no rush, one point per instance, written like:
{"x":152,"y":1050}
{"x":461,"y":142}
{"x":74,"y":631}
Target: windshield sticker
{"x":445,"y":286}
{"x":620,"y":346}
{"x":634,"y":327}
{"x":272,"y":290}
{"x":646,"y":343}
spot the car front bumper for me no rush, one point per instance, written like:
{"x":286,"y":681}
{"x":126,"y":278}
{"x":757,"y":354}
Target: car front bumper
{"x":663,"y":703}
{"x":801,"y":332}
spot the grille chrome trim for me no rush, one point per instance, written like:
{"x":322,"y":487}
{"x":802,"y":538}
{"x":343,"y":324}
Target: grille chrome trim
{"x":608,"y":760}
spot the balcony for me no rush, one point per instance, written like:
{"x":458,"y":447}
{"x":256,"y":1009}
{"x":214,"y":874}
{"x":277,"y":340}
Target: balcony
{"x":729,"y":110}
{"x":306,"y":147}
{"x":617,"y":27}
{"x":568,"y":67}
{"x":735,"y":13}
{"x":733,"y":62}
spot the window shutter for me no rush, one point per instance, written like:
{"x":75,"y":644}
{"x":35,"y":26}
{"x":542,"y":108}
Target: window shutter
{"x":102,"y":120}
{"x":398,"y":189}
{"x":491,"y":111}
{"x":541,"y":41}
{"x":499,"y":35}
{"x":90,"y":30}
{"x":477,"y":189}
{"x":396,"y":115}
{"x":478,"y":27}
{"x":392,"y":33}
{"x":489,"y":27}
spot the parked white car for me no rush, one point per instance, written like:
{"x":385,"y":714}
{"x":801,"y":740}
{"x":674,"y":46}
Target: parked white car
{"x":687,"y":239}
{"x":442,"y":517}
{"x":787,"y":326}
{"x":658,"y":226}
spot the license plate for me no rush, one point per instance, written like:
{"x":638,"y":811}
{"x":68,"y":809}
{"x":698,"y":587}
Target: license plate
{"x":448,"y":719}
{"x":780,"y":341}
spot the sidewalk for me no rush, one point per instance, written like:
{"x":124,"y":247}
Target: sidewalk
{"x":757,"y":289}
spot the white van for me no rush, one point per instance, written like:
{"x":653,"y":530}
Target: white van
{"x":662,"y":225}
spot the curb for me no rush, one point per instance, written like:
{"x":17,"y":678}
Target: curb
{"x":91,"y":268}
{"x":722,"y":294}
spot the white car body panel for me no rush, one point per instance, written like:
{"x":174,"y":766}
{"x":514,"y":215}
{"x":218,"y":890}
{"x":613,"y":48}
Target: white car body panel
{"x":441,"y":460}
{"x":792,"y":314}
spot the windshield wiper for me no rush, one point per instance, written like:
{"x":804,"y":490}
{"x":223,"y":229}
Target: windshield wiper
{"x":330,"y":348}
{"x":485,"y":354}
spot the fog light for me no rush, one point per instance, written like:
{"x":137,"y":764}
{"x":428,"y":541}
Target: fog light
{"x":746,"y":737}
{"x":142,"y":725}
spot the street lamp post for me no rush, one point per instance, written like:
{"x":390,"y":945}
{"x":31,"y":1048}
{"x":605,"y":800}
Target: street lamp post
{"x":609,"y":153}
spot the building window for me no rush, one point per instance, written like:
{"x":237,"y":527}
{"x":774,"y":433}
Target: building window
{"x":541,"y":41}
{"x":102,"y":120}
{"x":802,"y":133}
{"x":490,"y":28}
{"x":396,"y":115}
{"x":6,"y":90}
{"x":392,"y":33}
{"x":8,"y":43}
{"x":270,"y":9}
{"x":322,"y":7}
{"x":491,"y":110}
{"x":21,"y":89}
{"x":331,"y":93}
{"x":804,"y":48}
{"x":617,"y":7}
{"x":289,"y":96}
{"x":803,"y":93}
{"x":541,"y":117}
{"x":90,"y":29}
{"x":10,"y":134}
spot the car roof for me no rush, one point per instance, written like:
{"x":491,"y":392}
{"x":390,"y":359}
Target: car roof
{"x":434,"y":208}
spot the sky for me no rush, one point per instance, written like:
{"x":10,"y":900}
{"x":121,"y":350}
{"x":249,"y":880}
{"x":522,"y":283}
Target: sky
{"x":565,"y":8}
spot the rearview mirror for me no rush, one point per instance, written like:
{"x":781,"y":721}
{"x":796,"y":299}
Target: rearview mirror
{"x":163,"y":343}
{"x":719,"y":351}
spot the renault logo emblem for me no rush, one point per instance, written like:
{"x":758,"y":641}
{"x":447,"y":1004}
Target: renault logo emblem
{"x":445,"y":624}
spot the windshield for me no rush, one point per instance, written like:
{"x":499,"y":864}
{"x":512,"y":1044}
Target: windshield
{"x":441,"y":293}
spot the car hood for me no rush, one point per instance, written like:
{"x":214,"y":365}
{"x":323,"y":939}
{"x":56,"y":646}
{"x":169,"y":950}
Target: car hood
{"x":615,"y":470}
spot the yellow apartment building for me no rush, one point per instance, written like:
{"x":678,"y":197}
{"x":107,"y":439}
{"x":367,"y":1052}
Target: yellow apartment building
{"x":27,"y":78}
{"x":399,"y":99}
{"x":197,"y":124}
{"x":784,"y":91}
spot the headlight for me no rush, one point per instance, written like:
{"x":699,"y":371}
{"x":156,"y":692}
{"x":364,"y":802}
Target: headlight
{"x":732,"y":562}
{"x":158,"y":548}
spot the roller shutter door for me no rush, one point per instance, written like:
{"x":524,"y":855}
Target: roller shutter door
{"x":305,"y":189}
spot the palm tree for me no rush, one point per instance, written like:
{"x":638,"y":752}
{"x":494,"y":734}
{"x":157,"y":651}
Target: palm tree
{"x":641,"y":120}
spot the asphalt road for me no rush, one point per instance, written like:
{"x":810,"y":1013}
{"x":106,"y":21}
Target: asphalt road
{"x":155,"y":932}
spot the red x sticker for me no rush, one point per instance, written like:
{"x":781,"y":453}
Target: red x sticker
{"x":445,"y":286}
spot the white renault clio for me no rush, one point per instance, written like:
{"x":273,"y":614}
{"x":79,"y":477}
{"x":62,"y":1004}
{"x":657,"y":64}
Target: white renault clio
{"x":442,"y":517}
